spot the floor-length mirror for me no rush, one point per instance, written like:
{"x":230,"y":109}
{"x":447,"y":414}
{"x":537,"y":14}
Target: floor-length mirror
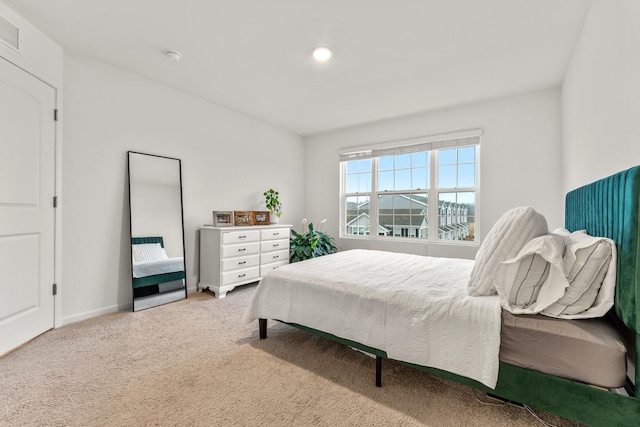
{"x":157,"y":230}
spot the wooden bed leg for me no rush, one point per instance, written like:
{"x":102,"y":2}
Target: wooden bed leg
{"x":262,"y":326}
{"x":378,"y":371}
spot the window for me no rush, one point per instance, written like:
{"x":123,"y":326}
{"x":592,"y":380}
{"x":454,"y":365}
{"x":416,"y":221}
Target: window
{"x":386,"y":190}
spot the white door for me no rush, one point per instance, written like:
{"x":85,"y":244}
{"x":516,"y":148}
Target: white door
{"x":27,"y":187}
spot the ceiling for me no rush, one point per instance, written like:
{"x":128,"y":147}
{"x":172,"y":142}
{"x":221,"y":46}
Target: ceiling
{"x":391,"y":57}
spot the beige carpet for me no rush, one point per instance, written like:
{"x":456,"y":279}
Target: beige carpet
{"x":193,"y":363}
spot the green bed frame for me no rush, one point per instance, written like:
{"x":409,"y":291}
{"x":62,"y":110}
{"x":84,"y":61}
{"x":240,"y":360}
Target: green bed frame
{"x":141,"y":282}
{"x":610,"y":208}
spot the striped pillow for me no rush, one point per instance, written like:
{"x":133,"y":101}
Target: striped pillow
{"x":535,"y":278}
{"x":532,"y":272}
{"x":588,"y":261}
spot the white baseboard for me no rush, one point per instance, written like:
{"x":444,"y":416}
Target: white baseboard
{"x":95,"y":313}
{"x":106,"y":310}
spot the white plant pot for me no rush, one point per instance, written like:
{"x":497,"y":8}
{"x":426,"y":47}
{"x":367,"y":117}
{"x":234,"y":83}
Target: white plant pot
{"x":273,"y":218}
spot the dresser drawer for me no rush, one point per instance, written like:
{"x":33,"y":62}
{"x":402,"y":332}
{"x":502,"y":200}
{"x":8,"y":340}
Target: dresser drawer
{"x":270,"y":257}
{"x":243,"y":261}
{"x":231,"y":277}
{"x":274,"y":245}
{"x":275,"y":234}
{"x":240,"y":236}
{"x":265,"y":268}
{"x":237,"y":250}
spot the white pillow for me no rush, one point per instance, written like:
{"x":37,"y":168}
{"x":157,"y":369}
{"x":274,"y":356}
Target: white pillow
{"x":590,"y":263}
{"x":507,"y":237}
{"x":566,"y":234}
{"x":561,"y":231}
{"x":535,"y":278}
{"x":148,"y":252}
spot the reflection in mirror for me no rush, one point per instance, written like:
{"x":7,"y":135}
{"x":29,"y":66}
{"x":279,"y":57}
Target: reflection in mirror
{"x":157,"y":230}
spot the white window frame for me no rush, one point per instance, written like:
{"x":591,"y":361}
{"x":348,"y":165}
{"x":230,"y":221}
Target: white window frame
{"x":432,"y":144}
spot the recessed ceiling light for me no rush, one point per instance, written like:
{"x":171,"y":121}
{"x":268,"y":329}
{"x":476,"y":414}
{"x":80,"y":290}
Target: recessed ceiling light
{"x":172,"y":55}
{"x":321,"y":54}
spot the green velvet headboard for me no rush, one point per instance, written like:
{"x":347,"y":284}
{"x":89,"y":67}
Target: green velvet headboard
{"x":609,"y":208}
{"x":141,"y":240}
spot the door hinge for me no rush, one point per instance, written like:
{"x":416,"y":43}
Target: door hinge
{"x":55,"y":201}
{"x":55,"y":289}
{"x":55,"y":115}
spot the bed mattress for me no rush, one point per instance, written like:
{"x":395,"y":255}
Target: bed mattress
{"x":169,"y":265}
{"x":589,"y":350}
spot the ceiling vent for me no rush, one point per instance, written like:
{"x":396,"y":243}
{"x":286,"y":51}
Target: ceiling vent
{"x":9,"y":33}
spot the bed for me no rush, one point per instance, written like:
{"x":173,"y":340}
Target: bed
{"x":594,"y":384}
{"x":152,"y":268}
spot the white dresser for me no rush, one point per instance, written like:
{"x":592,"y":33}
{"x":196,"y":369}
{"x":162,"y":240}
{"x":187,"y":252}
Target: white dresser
{"x":234,"y":256}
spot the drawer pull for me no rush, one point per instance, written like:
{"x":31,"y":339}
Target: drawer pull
{"x":242,"y":249}
{"x":273,"y":268}
{"x":242,"y":262}
{"x":241,"y":275}
{"x":276,"y":256}
{"x":276,"y":245}
{"x":276,"y":234}
{"x":242,"y":237}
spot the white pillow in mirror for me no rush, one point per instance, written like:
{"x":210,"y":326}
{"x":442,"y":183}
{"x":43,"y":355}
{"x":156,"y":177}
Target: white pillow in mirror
{"x":505,"y":240}
{"x":148,"y":252}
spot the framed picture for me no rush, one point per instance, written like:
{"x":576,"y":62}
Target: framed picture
{"x":262,"y":217}
{"x":244,"y":217}
{"x":222,"y":218}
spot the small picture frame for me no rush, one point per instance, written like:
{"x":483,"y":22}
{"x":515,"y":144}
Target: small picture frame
{"x":243,"y":218}
{"x":262,"y":217}
{"x":222,"y":218}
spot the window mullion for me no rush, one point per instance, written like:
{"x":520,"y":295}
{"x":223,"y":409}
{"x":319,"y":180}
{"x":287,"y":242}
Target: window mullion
{"x":433,"y":197}
{"x":373,"y":199}
{"x":343,"y":199}
{"x":457,"y":189}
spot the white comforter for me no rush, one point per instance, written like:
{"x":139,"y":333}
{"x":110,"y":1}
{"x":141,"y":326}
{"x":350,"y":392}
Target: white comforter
{"x":415,"y":308}
{"x":169,"y":265}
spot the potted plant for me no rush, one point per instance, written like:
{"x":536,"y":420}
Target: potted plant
{"x":273,"y":204}
{"x":312,"y":244}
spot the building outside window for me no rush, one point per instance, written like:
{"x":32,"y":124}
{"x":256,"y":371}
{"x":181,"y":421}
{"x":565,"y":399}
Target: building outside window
{"x":388,"y":189}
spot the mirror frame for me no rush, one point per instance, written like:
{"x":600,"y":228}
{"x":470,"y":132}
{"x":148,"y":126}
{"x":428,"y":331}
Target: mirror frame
{"x":184,"y":258}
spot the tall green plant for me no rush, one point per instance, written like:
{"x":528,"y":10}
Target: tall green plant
{"x":311,"y":244}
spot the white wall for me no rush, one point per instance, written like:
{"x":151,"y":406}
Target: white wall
{"x":601,"y":95}
{"x":228,"y":160}
{"x":520,"y":158}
